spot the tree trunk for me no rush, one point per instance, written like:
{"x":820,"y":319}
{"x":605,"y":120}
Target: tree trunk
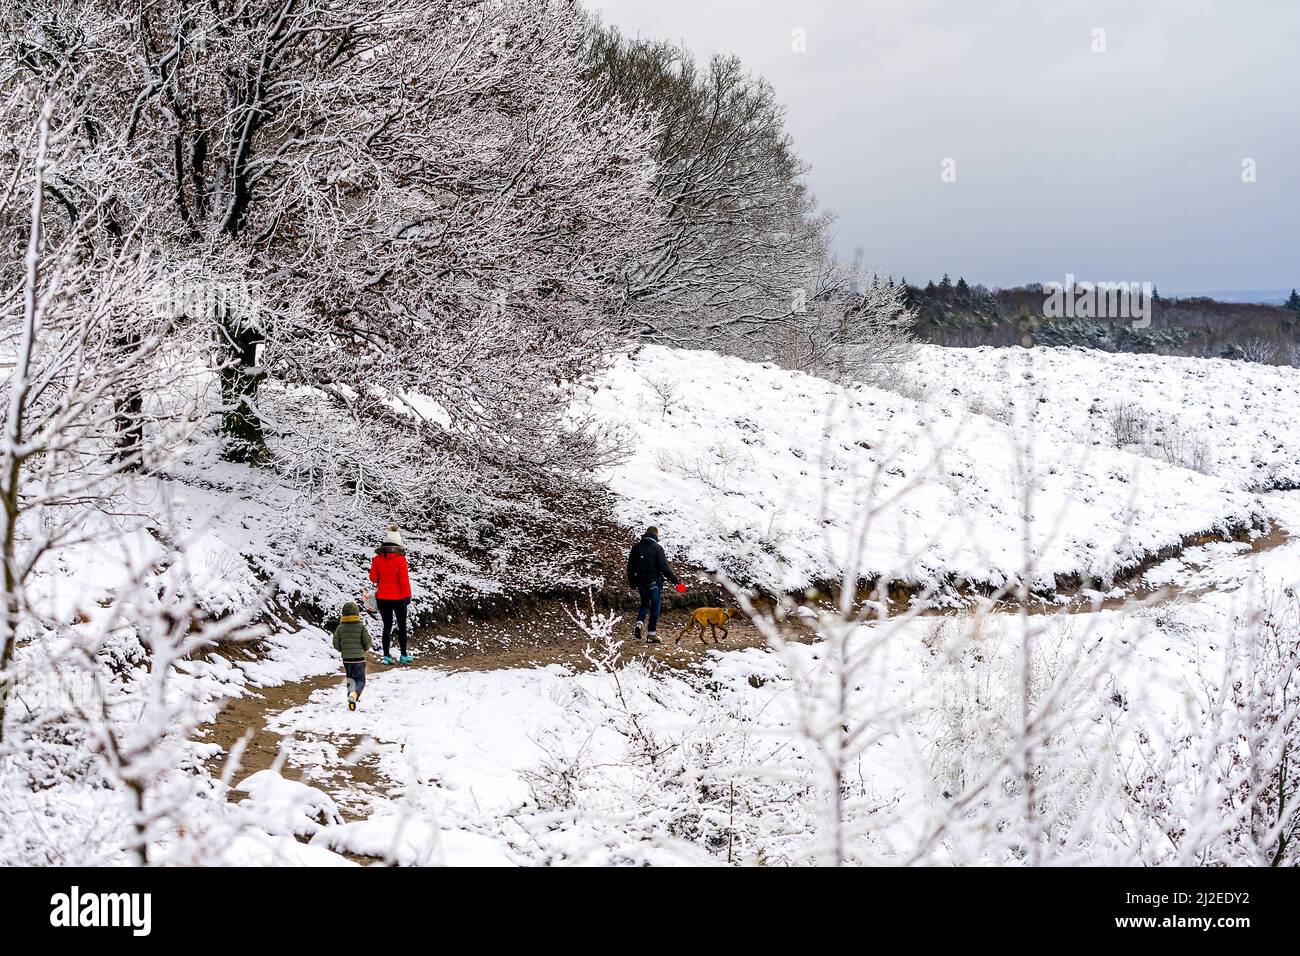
{"x":240,"y":376}
{"x":16,"y":420}
{"x":8,"y":541}
{"x":128,"y":416}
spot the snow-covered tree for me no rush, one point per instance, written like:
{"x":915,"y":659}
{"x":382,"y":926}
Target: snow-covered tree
{"x":859,"y":335}
{"x":741,"y":259}
{"x":1257,"y":348}
{"x":91,"y":396}
{"x":433,"y":216}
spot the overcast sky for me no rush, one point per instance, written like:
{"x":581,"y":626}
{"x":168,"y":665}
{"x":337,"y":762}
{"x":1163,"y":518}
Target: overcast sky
{"x":1120,"y":165}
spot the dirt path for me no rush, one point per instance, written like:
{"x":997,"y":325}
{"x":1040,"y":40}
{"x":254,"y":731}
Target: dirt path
{"x":547,"y":636}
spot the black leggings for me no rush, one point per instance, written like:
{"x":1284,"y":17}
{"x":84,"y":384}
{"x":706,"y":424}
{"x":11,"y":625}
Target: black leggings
{"x":387,"y":609}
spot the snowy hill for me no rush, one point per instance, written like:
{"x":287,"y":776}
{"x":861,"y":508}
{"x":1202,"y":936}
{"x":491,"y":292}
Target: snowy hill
{"x":781,"y":479}
{"x":766,"y":474}
{"x":1233,"y":420}
{"x":547,"y":765}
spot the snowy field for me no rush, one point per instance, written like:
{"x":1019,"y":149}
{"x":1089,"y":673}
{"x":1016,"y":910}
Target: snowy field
{"x":723,"y":763}
{"x":1233,"y":420}
{"x":767,"y":475}
{"x":781,"y":479}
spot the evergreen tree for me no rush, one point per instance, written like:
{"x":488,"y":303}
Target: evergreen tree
{"x":1293,"y":303}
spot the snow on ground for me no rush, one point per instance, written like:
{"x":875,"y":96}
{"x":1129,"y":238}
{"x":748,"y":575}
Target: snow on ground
{"x":221,"y":534}
{"x":405,"y":840}
{"x":771,"y":475}
{"x":758,"y":471}
{"x":486,"y":762}
{"x":254,"y":849}
{"x":218,"y":536}
{"x":1234,"y":420}
{"x":287,"y":807}
{"x":548,"y":766}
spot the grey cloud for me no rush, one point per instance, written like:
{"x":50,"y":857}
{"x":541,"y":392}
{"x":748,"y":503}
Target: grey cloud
{"x":1117,"y":165}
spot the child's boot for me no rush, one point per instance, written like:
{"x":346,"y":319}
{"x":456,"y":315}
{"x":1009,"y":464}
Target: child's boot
{"x":352,"y":700}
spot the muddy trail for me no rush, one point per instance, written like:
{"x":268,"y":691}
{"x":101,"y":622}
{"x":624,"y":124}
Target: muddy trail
{"x":544,"y":635}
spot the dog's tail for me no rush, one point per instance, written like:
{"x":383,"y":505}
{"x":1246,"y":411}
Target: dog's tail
{"x":690,"y":623}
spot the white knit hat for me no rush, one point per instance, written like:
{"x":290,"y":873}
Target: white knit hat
{"x":394,"y":536}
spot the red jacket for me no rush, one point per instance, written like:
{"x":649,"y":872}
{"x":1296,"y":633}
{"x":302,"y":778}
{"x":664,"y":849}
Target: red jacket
{"x":388,"y":571}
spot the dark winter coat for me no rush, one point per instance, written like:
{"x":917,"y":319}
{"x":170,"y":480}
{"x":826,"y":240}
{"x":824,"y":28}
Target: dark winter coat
{"x":389,"y":572}
{"x":647,"y":564}
{"x":351,"y":639}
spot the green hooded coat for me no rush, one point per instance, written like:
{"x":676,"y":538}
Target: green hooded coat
{"x":351,"y":639}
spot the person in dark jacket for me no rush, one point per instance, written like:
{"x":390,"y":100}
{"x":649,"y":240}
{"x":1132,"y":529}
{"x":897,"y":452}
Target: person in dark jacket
{"x":352,"y":640}
{"x":646,"y":569}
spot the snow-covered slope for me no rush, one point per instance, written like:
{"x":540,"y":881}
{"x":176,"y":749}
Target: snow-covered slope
{"x":548,"y":765}
{"x":781,"y":478}
{"x":762,"y":472}
{"x":1234,"y":420}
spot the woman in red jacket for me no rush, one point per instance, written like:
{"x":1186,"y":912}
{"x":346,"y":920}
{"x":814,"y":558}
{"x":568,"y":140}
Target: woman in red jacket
{"x":392,"y":589}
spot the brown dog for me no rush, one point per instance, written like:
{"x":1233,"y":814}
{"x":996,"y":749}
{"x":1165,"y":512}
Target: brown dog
{"x":714,"y":617}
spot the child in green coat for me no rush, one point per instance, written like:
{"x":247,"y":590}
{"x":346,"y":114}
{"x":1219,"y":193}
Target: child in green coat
{"x":352,"y":640}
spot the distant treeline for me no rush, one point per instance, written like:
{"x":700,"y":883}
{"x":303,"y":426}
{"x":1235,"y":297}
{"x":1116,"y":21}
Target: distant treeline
{"x":965,"y":315}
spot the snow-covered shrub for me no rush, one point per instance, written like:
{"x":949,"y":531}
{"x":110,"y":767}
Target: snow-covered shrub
{"x":1130,"y":424}
{"x":970,"y":718}
{"x":673,"y":766}
{"x":1015,"y":736}
{"x":902,"y":381}
{"x":665,"y":396}
{"x":717,"y":466}
{"x":1183,"y":448}
{"x":56,"y":750}
{"x":1256,"y":348}
{"x":1225,"y":791}
{"x":1136,"y":428}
